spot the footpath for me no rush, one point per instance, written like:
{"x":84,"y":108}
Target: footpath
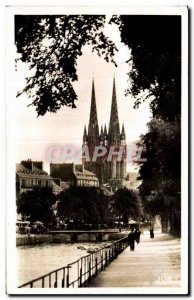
{"x":154,"y":263}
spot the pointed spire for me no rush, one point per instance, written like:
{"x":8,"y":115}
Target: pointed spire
{"x":105,"y":130}
{"x":101,"y":131}
{"x":85,"y":135}
{"x":85,"y":131}
{"x":123,"y":130}
{"x":114,"y":128}
{"x":123,"y":136}
{"x":93,"y":129}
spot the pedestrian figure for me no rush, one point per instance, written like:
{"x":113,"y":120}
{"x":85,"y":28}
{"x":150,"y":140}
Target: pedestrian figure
{"x":137,"y":236}
{"x":131,"y":240}
{"x":151,"y":233}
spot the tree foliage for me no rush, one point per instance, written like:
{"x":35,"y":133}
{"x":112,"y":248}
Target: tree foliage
{"x":160,"y":174}
{"x":89,"y":205}
{"x":51,"y":44}
{"x":37,"y":204}
{"x":155,"y":42}
{"x":163,"y":144}
{"x":83,"y":206}
{"x":127,"y":203}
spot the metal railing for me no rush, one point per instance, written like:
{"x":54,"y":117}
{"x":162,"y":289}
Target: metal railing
{"x":80,"y":272}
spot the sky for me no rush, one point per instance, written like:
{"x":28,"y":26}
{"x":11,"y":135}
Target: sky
{"x":35,"y":137}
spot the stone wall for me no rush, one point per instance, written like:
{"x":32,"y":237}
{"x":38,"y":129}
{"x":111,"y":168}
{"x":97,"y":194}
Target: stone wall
{"x":33,"y":239}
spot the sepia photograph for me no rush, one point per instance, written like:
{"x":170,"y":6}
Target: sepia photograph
{"x":97,"y":150}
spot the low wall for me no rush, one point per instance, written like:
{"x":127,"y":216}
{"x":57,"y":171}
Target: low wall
{"x":33,"y":239}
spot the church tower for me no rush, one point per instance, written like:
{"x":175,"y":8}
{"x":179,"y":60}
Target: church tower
{"x":123,"y":164}
{"x":93,"y":128}
{"x":92,"y":138}
{"x":117,"y":140}
{"x":114,"y":128}
{"x":105,"y":170}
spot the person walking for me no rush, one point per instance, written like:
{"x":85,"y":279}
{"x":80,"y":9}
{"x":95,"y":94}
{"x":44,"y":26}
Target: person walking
{"x":137,"y":235}
{"x":151,"y":233}
{"x":131,"y":240}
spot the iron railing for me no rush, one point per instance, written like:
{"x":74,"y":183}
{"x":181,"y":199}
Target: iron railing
{"x":80,"y":272}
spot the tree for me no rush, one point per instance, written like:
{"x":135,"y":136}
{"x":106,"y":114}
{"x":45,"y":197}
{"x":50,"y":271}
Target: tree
{"x":83,"y":205}
{"x":155,"y":67}
{"x":155,"y":43}
{"x":51,"y":46}
{"x":160,"y":174}
{"x":127,"y":204}
{"x":162,"y":143}
{"x":37,"y":204}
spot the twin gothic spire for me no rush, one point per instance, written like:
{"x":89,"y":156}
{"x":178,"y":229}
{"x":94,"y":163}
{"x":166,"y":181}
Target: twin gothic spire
{"x":114,"y":119}
{"x":114,"y":128}
{"x":93,"y":128}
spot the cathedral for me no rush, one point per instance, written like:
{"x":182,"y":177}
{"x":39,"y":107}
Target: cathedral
{"x":111,"y":166}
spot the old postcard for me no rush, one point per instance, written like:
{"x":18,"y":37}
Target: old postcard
{"x":97,"y":163}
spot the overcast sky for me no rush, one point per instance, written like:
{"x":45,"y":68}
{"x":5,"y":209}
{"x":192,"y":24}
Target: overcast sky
{"x":35,"y":136}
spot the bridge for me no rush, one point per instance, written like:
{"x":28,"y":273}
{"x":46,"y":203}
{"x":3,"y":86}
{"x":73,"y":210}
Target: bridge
{"x":82,"y":235}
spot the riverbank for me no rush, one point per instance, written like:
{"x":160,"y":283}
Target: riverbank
{"x":33,"y":239}
{"x":37,"y":239}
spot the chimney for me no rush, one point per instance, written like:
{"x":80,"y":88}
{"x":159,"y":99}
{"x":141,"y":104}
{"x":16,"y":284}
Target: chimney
{"x":27,"y":164}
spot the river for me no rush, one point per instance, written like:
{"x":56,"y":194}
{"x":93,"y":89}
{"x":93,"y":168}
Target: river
{"x":35,"y":261}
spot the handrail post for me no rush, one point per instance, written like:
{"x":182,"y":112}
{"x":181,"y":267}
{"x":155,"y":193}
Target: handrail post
{"x":106,"y":259}
{"x":96,"y":266}
{"x":109,"y":257}
{"x":55,"y":284}
{"x":42,"y":282}
{"x":102,"y":262}
{"x":67,"y":277}
{"x":85,"y":275}
{"x":63,"y":280}
{"x":89,"y":267}
{"x":80,"y":283}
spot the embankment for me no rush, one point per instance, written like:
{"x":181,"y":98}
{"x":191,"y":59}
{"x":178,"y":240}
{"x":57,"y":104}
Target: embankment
{"x":34,"y":239}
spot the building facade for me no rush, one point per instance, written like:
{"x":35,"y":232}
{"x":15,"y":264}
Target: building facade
{"x":75,"y":175}
{"x":30,"y":175}
{"x":110,"y":166}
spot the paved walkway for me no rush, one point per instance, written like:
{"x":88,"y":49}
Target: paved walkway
{"x":154,"y":263}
